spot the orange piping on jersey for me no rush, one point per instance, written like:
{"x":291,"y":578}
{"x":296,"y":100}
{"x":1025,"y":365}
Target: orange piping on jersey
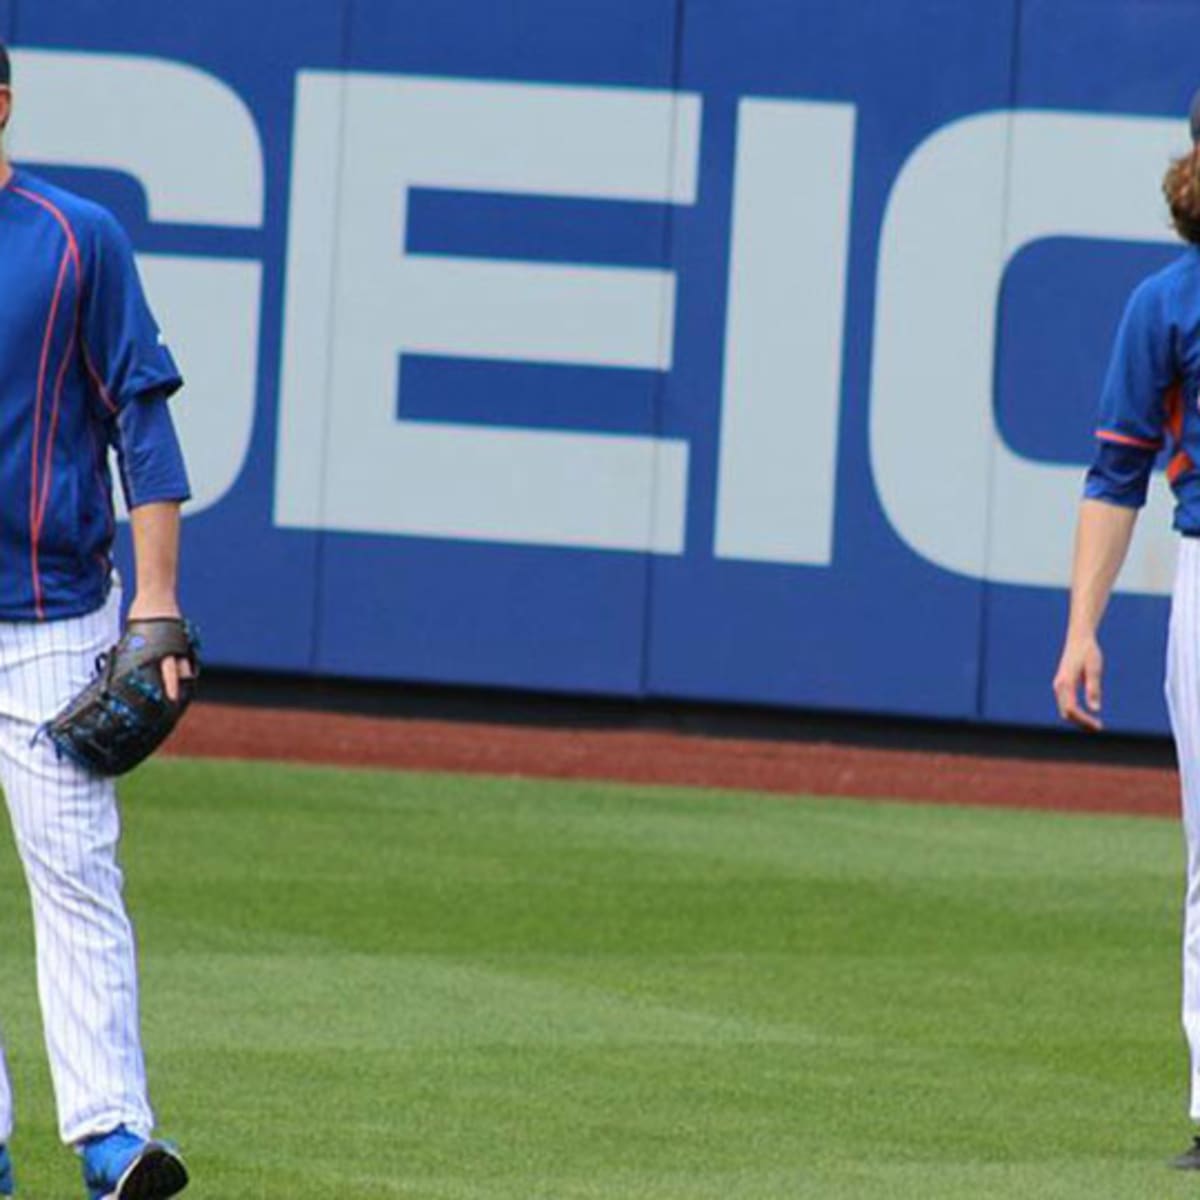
{"x":73,"y":244}
{"x":48,"y":469}
{"x":34,"y":521}
{"x":97,"y":382}
{"x":1180,"y":464}
{"x":1175,"y":412}
{"x":1124,"y":439}
{"x":70,"y":255}
{"x":42,"y":471}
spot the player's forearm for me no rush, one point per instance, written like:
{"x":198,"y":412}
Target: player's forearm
{"x":156,"y":558}
{"x":1101,"y":542}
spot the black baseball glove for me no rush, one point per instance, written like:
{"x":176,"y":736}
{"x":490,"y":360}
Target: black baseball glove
{"x":124,"y":714}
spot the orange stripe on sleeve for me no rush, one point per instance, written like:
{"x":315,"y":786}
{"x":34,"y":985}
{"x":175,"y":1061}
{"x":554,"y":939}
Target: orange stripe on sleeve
{"x":1125,"y":439}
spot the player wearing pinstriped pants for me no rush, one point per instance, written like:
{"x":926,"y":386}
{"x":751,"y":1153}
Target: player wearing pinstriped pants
{"x":66,"y":827}
{"x":1150,"y":402}
{"x":1183,"y":700}
{"x":83,"y":372}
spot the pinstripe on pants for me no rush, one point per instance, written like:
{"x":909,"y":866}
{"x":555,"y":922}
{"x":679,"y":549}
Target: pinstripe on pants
{"x":67,"y":828}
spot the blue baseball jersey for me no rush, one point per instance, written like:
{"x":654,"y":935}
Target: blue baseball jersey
{"x":82,"y":368}
{"x":1149,"y":400}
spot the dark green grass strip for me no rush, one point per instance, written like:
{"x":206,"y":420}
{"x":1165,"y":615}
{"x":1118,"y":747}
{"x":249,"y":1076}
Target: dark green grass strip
{"x":364,"y":984}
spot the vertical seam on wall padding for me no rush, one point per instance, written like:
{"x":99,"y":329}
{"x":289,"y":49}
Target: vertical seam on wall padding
{"x":984,"y":640}
{"x":339,"y":168}
{"x":666,"y":332}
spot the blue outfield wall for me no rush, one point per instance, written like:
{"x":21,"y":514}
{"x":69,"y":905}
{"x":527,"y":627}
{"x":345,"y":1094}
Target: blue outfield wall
{"x":727,"y":349}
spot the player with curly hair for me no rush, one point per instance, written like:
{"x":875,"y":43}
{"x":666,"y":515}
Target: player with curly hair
{"x":1148,"y":404}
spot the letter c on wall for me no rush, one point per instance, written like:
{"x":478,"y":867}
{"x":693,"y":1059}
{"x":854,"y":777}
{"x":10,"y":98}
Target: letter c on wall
{"x":968,"y":200}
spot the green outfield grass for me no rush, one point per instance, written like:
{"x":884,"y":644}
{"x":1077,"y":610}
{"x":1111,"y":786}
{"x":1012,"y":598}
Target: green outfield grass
{"x":384,"y":985}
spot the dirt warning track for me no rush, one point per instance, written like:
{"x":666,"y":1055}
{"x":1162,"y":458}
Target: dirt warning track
{"x":656,"y":756}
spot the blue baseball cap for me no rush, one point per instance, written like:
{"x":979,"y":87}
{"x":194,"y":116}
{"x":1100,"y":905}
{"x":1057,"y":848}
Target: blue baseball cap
{"x":1194,"y":117}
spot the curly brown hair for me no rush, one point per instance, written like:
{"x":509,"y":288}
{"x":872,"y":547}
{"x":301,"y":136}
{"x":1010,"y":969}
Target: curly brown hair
{"x":1181,"y":187}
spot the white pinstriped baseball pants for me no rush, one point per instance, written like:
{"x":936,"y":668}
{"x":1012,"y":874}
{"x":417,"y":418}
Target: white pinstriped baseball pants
{"x":1183,"y":701}
{"x":66,"y":826}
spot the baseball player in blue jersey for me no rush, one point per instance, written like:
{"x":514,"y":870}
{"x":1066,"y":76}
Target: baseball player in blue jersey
{"x":1148,"y":404}
{"x":82,"y":369}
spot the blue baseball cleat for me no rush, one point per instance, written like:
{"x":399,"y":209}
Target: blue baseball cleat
{"x":122,"y":1166}
{"x":8,"y":1184}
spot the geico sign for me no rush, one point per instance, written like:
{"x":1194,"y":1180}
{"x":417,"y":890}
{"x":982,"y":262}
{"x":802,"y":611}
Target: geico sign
{"x":356,"y":300}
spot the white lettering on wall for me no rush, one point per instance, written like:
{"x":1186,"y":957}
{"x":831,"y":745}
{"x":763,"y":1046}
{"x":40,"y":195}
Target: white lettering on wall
{"x":969,"y":198}
{"x":346,"y":460}
{"x":781,"y":399}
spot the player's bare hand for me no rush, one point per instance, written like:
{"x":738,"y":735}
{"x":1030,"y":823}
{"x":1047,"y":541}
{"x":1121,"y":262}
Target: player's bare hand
{"x":1077,"y":689}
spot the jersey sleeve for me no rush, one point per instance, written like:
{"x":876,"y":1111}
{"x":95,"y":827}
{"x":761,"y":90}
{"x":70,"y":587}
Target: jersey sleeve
{"x":123,"y":349}
{"x":1133,"y":402}
{"x":1119,"y":475}
{"x":148,"y":454}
